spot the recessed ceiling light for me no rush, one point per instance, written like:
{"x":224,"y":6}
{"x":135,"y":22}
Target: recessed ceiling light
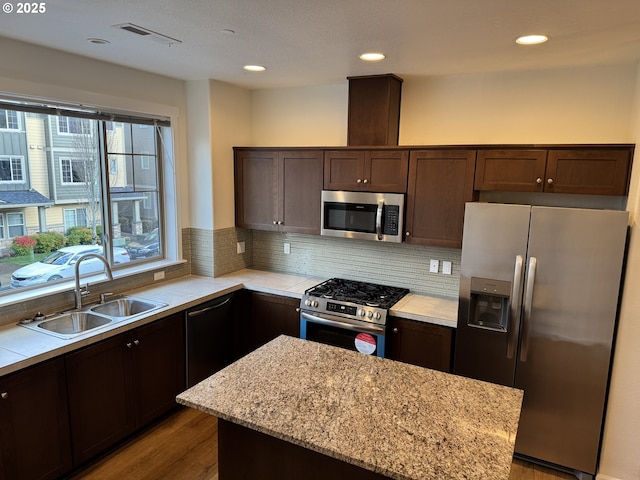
{"x":372,"y":57}
{"x":98,"y":41}
{"x":531,"y":39}
{"x":254,"y":68}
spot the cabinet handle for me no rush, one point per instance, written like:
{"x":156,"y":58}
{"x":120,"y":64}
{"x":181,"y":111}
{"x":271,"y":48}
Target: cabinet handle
{"x":136,"y":342}
{"x":538,"y":180}
{"x":408,"y":234}
{"x":550,"y":181}
{"x":359,"y":181}
{"x":275,"y":222}
{"x":4,"y":395}
{"x":366,"y":181}
{"x":129,"y":345}
{"x":395,"y":330}
{"x":280,"y":222}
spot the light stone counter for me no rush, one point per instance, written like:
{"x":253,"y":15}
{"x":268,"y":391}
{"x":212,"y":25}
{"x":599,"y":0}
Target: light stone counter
{"x":21,"y":347}
{"x":399,"y":420}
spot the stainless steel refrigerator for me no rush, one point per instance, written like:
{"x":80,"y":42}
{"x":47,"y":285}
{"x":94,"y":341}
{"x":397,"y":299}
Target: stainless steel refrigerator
{"x":539,"y":292}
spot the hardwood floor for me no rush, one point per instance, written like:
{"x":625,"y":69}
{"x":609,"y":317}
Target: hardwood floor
{"x":183,"y":447}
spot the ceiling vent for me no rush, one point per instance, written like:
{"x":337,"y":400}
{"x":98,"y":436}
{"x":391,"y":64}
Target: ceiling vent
{"x":145,"y":32}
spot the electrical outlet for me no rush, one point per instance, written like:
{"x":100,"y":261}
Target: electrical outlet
{"x":287,"y":248}
{"x":446,"y":267}
{"x":158,"y":275}
{"x":240,"y":247}
{"x":433,"y":266}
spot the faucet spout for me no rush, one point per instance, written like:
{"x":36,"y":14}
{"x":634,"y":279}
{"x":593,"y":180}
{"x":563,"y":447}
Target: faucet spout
{"x":78,"y":291}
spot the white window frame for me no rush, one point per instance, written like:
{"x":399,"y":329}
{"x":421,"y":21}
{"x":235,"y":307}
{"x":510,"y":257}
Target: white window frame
{"x":71,"y":161}
{"x":2,"y":222}
{"x":10,"y":225}
{"x":84,"y":123}
{"x":75,"y":211}
{"x":145,"y":161}
{"x":11,"y":159}
{"x":18,"y":122}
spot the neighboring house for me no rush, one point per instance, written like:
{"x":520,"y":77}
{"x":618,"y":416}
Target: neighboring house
{"x":22,"y":205}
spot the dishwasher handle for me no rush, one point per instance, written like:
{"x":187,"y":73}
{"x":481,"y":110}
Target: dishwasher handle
{"x":202,"y":311}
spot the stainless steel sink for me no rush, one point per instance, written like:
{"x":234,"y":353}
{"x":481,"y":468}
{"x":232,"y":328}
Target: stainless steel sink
{"x":125,"y":307}
{"x":72,"y":323}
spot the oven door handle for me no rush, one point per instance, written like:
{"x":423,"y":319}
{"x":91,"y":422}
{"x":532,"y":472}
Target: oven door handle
{"x":379,"y":219}
{"x":337,"y":323}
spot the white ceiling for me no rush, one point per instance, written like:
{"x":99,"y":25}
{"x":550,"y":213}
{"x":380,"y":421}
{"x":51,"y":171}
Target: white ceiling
{"x":313,"y":42}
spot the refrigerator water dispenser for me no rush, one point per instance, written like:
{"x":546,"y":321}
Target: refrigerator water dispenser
{"x":489,"y":304}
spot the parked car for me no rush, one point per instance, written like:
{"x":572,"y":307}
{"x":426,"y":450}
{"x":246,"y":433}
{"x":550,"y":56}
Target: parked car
{"x":61,"y":264}
{"x":147,"y":246}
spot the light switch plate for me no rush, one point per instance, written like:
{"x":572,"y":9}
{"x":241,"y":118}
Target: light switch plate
{"x":287,"y":248}
{"x":446,"y":267}
{"x":433,"y":266}
{"x":158,"y":275}
{"x":240,"y":247}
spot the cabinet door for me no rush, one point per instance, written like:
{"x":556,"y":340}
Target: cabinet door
{"x":256,"y":189}
{"x":344,"y":170}
{"x":100,"y":391}
{"x":511,"y":170}
{"x":34,"y":425}
{"x":440,"y":183}
{"x":588,"y":171}
{"x":158,"y":351}
{"x":421,"y":344}
{"x":386,"y":171}
{"x":273,"y":315}
{"x":301,"y":190}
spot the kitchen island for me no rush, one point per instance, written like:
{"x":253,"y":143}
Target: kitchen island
{"x":294,"y":404}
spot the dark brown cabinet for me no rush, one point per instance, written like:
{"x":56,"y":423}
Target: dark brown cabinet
{"x":440,"y":183}
{"x":420,"y":343}
{"x":34,"y":426}
{"x":120,"y":384}
{"x":584,"y":170}
{"x":273,"y":315}
{"x":278,"y":190}
{"x":366,"y":170}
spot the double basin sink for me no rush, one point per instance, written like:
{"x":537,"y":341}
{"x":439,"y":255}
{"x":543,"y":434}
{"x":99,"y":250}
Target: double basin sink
{"x":74,"y":323}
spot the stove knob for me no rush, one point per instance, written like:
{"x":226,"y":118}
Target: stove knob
{"x":369,"y":314}
{"x":377,"y":316}
{"x":314,"y":303}
{"x":307,"y":302}
{"x":361,"y":312}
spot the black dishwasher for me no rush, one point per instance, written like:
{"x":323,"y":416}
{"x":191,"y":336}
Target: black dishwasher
{"x":209,"y":333}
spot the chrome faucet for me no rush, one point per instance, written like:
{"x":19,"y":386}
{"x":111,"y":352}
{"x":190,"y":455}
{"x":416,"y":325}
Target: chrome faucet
{"x":78,"y":290}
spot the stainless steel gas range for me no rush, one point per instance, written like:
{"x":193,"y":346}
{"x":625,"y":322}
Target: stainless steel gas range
{"x":348,"y":314}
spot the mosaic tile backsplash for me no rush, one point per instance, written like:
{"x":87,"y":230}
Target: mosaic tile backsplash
{"x":214,"y":253}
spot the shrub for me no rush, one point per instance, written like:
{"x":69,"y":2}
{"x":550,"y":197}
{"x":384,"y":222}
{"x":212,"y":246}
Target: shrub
{"x":79,"y":236}
{"x":48,"y":242}
{"x":23,"y":245}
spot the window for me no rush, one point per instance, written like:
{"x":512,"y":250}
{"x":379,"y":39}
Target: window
{"x":9,"y":120}
{"x":75,"y":217}
{"x":11,"y":169}
{"x":15,"y":224}
{"x":89,"y":170}
{"x":73,"y":170}
{"x":72,"y":125}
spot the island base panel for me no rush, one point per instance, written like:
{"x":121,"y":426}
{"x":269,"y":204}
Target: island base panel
{"x":247,"y":454}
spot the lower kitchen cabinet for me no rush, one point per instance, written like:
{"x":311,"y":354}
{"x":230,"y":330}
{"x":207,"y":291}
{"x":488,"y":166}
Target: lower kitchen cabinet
{"x":121,"y":384}
{"x":34,"y":427}
{"x":419,"y":343}
{"x":273,"y":315}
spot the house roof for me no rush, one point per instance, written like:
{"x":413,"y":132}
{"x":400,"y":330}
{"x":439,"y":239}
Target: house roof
{"x":23,"y":198}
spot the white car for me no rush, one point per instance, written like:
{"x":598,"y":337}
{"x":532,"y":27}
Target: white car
{"x":61,"y":264}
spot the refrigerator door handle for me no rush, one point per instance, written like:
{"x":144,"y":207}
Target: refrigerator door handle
{"x":516,"y":296}
{"x":528,"y":302}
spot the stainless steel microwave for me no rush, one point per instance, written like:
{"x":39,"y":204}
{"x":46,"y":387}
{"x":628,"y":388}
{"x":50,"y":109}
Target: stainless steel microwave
{"x":363,"y":215}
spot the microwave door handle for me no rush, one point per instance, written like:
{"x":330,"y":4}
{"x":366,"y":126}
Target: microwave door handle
{"x":379,"y":219}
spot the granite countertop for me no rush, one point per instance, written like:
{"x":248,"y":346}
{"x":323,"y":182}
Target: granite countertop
{"x":21,"y":347}
{"x":399,"y":420}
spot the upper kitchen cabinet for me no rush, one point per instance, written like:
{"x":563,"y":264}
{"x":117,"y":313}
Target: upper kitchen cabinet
{"x":383,"y":171}
{"x":278,"y":190}
{"x":440,"y":183}
{"x":591,"y":170}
